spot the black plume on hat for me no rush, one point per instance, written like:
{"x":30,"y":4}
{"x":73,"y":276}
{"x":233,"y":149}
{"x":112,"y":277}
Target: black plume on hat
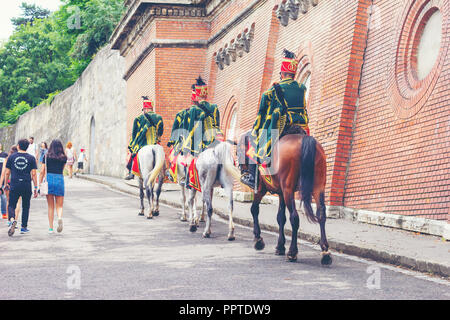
{"x":200,"y":81}
{"x":288,"y":54}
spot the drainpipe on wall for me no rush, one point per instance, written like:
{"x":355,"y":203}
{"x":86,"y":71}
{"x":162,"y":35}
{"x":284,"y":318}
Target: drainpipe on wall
{"x":369,"y":23}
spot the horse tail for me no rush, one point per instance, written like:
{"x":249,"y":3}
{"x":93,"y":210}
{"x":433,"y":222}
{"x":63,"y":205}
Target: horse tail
{"x":308,"y":158}
{"x":159,"y":164}
{"x":225,"y":156}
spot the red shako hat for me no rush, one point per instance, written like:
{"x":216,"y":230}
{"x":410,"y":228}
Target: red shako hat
{"x":289,"y":64}
{"x":201,"y":89}
{"x":147,"y":103}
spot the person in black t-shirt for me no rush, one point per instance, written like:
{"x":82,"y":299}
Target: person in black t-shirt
{"x":21,"y":166}
{"x":4,"y":184}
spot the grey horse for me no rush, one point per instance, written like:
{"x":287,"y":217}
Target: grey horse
{"x":151,"y":165}
{"x":215,"y":168}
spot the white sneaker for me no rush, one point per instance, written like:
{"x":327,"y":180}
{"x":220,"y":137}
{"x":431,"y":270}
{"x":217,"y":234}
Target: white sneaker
{"x":60,"y":225}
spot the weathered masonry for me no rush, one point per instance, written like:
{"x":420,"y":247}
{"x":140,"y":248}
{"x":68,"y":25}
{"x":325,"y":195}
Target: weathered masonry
{"x":377,"y":74}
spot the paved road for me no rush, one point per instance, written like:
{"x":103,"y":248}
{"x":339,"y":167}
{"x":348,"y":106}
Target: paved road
{"x":106,"y":251}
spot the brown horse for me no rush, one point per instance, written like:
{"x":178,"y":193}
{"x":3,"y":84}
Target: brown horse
{"x":299,"y":164}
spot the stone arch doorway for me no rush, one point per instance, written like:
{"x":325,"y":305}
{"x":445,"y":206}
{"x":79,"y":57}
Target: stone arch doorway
{"x":92,"y":147}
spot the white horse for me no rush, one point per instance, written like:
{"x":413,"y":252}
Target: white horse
{"x":151,"y":160}
{"x":215,"y":167}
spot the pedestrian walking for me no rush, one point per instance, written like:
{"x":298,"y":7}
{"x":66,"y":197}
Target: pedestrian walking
{"x":3,"y":157}
{"x":42,"y":151}
{"x":71,"y":156}
{"x":4,"y":184}
{"x":21,"y":167}
{"x":54,"y":161}
{"x":33,"y":148}
{"x":80,"y":162}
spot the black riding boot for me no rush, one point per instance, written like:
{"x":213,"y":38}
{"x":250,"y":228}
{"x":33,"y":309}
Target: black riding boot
{"x":129,"y":165}
{"x":248,"y":178}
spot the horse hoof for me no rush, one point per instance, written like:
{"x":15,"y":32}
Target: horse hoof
{"x":291,"y":257}
{"x":193,"y":228}
{"x":149,"y":217}
{"x":326,"y":259}
{"x":279,"y":252}
{"x":206,"y":235}
{"x":259,"y":244}
{"x":155,"y":213}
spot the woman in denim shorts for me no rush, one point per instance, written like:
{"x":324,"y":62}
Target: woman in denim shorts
{"x":54,"y":161}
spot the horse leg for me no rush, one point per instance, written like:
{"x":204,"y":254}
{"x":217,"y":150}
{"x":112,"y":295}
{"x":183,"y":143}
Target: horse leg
{"x":207,"y":199}
{"x":158,"y":194}
{"x":192,"y":210}
{"x":229,"y":190}
{"x":149,"y":191}
{"x":196,"y":217}
{"x":141,"y":196}
{"x":322,"y":217}
{"x":183,"y":196}
{"x":281,"y":219}
{"x":295,"y":222}
{"x":202,"y":216}
{"x":259,"y":242}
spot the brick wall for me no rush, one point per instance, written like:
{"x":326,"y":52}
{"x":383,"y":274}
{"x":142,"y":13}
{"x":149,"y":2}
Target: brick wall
{"x":400,"y":161}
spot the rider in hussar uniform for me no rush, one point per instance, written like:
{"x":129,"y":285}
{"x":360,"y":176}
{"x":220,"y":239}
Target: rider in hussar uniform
{"x":283,"y":109}
{"x":203,"y":123}
{"x":147,"y":130}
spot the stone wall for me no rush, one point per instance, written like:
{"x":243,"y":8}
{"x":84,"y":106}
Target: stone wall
{"x":91,"y":114}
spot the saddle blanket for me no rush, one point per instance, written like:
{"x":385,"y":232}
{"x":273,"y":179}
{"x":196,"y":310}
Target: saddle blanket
{"x":194,"y":181}
{"x":135,"y":167}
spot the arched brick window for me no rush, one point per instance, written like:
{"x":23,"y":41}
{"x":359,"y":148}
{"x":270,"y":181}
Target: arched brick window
{"x":418,"y":55}
{"x":231,"y":119}
{"x":232,"y":128}
{"x":304,"y":76}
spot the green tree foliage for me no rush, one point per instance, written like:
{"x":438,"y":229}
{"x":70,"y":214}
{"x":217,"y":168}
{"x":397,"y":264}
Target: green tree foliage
{"x":47,"y":53}
{"x":30,"y":13}
{"x":13,"y":114}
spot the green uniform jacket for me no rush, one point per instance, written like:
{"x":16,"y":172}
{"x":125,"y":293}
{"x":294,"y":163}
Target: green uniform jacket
{"x":178,"y":134}
{"x":273,"y":116}
{"x":147,"y":129}
{"x":203,"y":124}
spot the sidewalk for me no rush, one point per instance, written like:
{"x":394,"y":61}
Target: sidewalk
{"x":420,"y":252}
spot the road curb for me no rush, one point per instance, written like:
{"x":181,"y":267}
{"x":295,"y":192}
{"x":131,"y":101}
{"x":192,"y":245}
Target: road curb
{"x":341,"y":247}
